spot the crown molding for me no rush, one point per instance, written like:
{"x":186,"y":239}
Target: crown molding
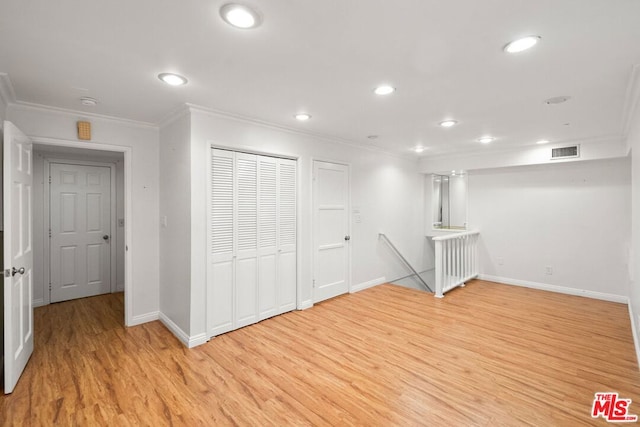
{"x":262,"y":123}
{"x":82,"y":114}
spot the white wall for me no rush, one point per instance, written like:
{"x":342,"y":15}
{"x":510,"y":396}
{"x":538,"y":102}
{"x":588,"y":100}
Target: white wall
{"x":458,"y":200}
{"x":634,"y":298}
{"x":387,"y":190}
{"x":574,"y":217}
{"x":175,"y":238}
{"x":40,"y":287}
{"x":5,"y":96}
{"x":143,"y":141}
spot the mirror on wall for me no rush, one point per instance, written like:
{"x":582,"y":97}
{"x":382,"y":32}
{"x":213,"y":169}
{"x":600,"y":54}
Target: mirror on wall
{"x":449,"y":202}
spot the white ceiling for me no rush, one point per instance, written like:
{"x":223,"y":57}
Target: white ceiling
{"x":326,"y":56}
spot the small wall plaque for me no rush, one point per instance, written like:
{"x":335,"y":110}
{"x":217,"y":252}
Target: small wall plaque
{"x":84,"y":131}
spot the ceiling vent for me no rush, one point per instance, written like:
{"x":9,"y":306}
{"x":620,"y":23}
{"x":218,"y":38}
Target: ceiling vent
{"x":565,"y":152}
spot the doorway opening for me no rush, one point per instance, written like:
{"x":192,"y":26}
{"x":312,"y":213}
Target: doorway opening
{"x":104,"y":153}
{"x":78,"y":223}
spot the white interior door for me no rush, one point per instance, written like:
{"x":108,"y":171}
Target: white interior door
{"x":331,"y":230}
{"x":18,"y":254}
{"x":80,"y":221}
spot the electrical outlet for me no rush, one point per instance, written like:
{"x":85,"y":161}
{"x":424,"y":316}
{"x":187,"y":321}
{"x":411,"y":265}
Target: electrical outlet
{"x":358,"y":218}
{"x":500,"y":260}
{"x":548,"y":270}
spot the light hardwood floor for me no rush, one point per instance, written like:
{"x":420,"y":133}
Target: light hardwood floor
{"x":486,"y":355}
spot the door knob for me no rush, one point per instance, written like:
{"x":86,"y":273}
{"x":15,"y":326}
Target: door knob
{"x":105,"y":237}
{"x":347,"y":238}
{"x":15,"y":271}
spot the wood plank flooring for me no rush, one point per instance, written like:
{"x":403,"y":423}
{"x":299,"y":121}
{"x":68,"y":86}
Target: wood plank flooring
{"x":485,"y":355}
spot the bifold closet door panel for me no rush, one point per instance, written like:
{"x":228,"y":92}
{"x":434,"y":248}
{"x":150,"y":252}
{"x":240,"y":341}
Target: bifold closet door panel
{"x":267,"y":236}
{"x":220,"y":278}
{"x":246,"y":238}
{"x":287,"y":235}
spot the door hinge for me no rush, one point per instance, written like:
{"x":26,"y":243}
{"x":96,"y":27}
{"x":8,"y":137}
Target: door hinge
{"x":49,"y":286}
{"x":49,"y":233}
{"x":49,"y":179}
{"x":314,"y":283}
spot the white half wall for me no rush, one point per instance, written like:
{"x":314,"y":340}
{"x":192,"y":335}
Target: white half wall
{"x":385,"y":190}
{"x":43,"y":123}
{"x":573,"y":217}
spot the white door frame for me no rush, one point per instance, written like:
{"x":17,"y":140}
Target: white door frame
{"x":313,"y":220}
{"x":47,"y":219}
{"x":128,"y":209}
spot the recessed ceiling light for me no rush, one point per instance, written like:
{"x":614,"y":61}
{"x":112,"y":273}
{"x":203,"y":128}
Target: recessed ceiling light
{"x":486,"y":139}
{"x":372,"y":136}
{"x":384,"y":90}
{"x":419,"y":149}
{"x":448,"y":123}
{"x":557,"y":100}
{"x":88,"y":101}
{"x":172,"y":79}
{"x":302,"y":116}
{"x":542,"y":141}
{"x":240,"y":16}
{"x":522,"y":44}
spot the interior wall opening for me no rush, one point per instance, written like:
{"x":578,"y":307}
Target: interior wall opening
{"x":78,"y":223}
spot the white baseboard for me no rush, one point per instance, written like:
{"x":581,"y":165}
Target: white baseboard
{"x":120,"y":287}
{"x":634,"y":332}
{"x":143,"y":318}
{"x":366,"y":285}
{"x":185,"y":339}
{"x":305,"y":304}
{"x":197,"y":340}
{"x":554,"y":288}
{"x":38,"y":302}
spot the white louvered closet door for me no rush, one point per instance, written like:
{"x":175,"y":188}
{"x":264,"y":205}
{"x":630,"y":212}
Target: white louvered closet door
{"x":287,"y":235}
{"x":267,"y":232}
{"x":246,"y":198}
{"x":252,"y":249}
{"x":220,"y":281}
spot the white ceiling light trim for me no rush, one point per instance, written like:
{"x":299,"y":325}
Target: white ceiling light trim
{"x":240,"y":16}
{"x":419,"y":149}
{"x":522,"y":44}
{"x":448,"y":123}
{"x":303,"y":117}
{"x":542,"y":141}
{"x":173,"y":79}
{"x":384,"y":90}
{"x":88,"y":101}
{"x":486,"y":139}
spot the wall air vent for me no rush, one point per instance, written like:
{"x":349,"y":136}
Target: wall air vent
{"x":565,"y":152}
